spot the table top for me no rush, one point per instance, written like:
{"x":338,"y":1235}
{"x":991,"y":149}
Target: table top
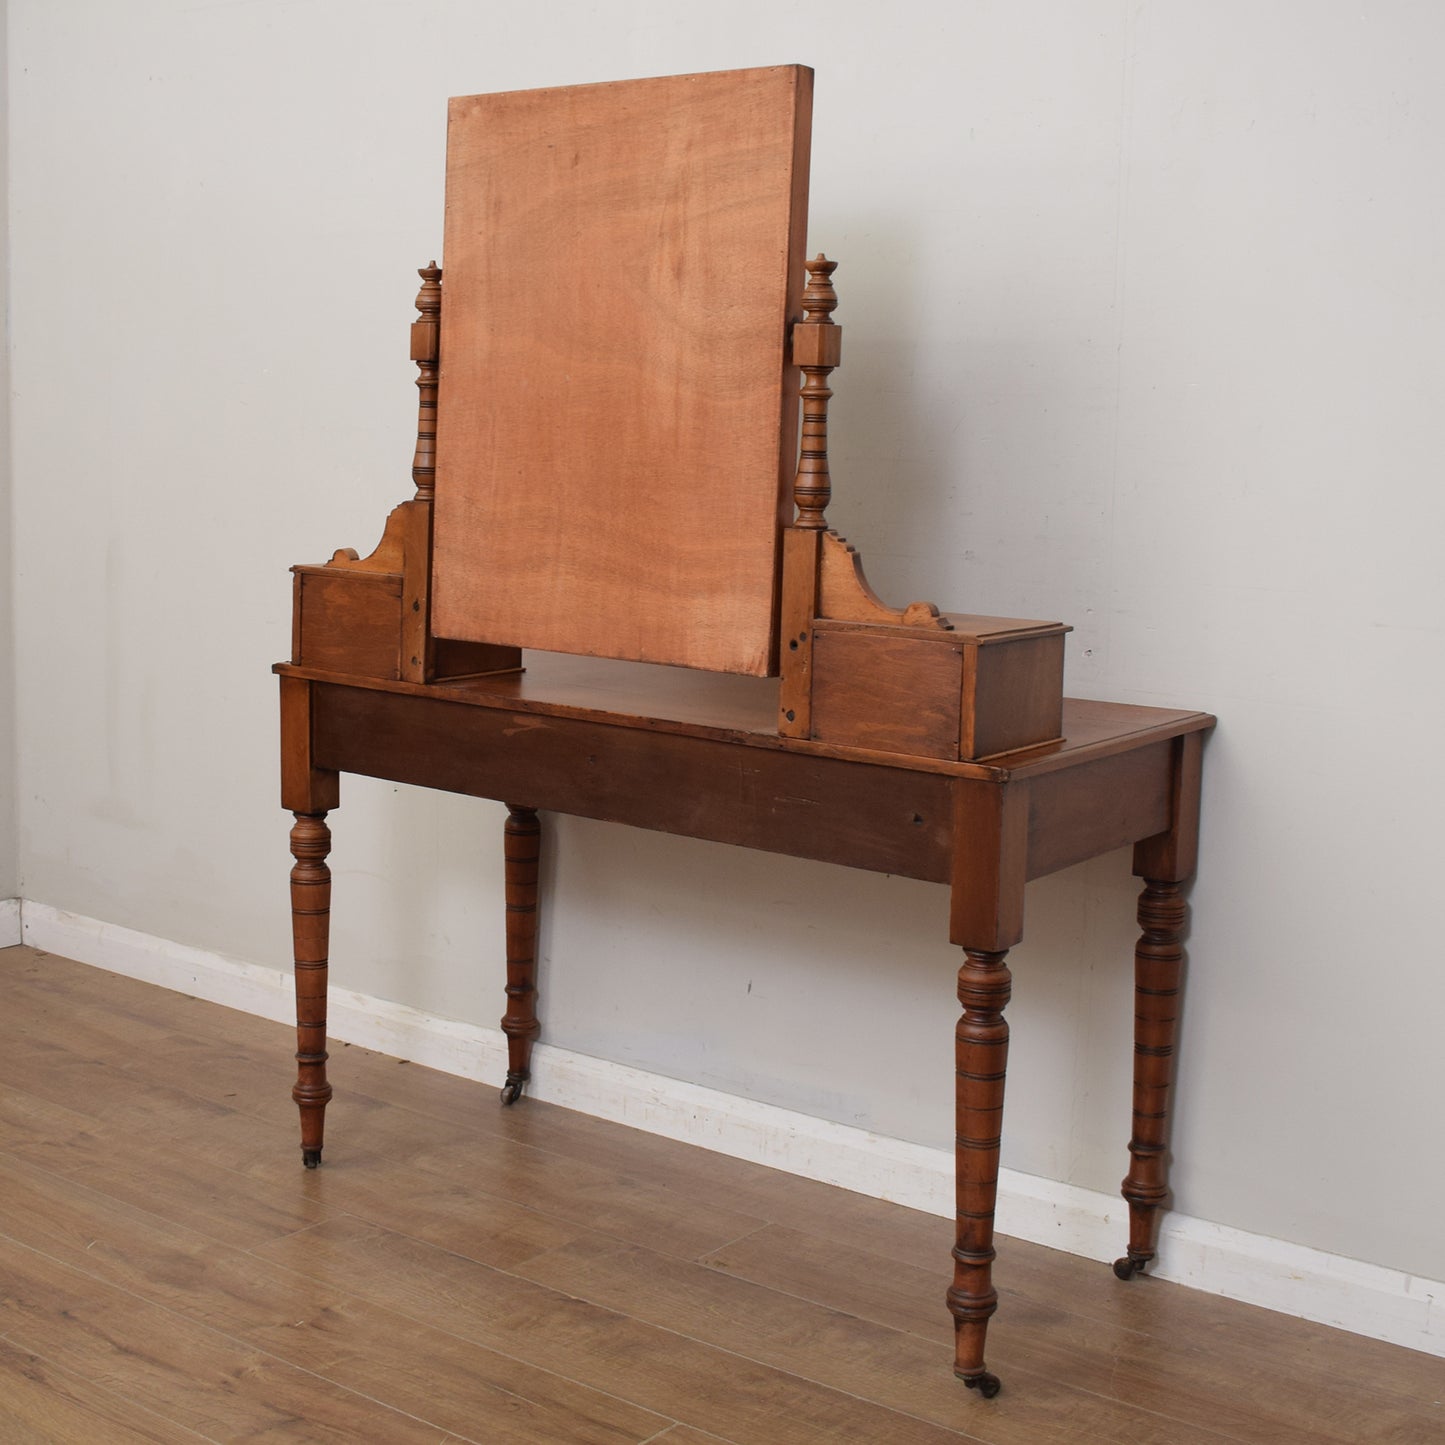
{"x":744,"y":710}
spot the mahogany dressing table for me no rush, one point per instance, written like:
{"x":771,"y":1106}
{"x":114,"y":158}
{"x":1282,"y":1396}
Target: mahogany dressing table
{"x":609,"y":474}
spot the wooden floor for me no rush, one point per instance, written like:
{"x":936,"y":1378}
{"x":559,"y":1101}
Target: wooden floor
{"x":457,"y":1271}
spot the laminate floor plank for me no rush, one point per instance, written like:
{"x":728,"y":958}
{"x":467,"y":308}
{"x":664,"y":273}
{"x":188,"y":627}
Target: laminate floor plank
{"x":152,"y":1172}
{"x":541,"y":1181}
{"x":404,"y":1364}
{"x":470,"y":1191}
{"x":529,"y":1275}
{"x":1239,"y":1389}
{"x":106,"y":1094}
{"x":878,"y":1236}
{"x":219,"y":1055}
{"x":563,"y":1141}
{"x":692,"y":1172}
{"x":446,"y":1213}
{"x":221,"y":1203}
{"x":35,"y":1020}
{"x":661,"y":1369}
{"x":1330,"y":1359}
{"x":367,"y":1182}
{"x":361,"y":1076}
{"x":844,"y":1351}
{"x":603,"y":1200}
{"x":686,"y":1435}
{"x":41,"y":1404}
{"x":218,"y":1387}
{"x":28,"y":1122}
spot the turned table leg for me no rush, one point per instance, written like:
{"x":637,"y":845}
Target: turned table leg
{"x":981,"y":1053}
{"x":310,"y":929}
{"x":522,"y":842}
{"x":1158,"y":963}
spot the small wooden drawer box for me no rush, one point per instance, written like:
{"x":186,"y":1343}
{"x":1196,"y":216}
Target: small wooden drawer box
{"x":989,"y":685}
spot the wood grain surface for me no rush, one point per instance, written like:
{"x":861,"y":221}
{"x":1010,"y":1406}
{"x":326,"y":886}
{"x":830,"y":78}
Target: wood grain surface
{"x":617,"y":420}
{"x":530,"y":1276}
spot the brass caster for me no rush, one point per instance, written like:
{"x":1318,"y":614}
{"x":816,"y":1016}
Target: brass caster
{"x":311,"y":1158}
{"x":512,"y":1089}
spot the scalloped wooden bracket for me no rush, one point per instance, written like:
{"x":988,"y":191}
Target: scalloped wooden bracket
{"x":845,"y":596}
{"x":389,"y":554}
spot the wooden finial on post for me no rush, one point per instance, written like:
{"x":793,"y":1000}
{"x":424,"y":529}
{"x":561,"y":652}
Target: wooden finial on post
{"x":817,"y":349}
{"x":425,"y":351}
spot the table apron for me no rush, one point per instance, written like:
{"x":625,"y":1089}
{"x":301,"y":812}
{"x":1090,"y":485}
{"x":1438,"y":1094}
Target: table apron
{"x":865,"y":815}
{"x":1078,"y":813}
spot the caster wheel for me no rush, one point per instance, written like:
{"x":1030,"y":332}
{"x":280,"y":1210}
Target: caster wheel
{"x":1127,"y":1268}
{"x":512,"y":1090}
{"x":987,"y":1385}
{"x":311,"y":1158}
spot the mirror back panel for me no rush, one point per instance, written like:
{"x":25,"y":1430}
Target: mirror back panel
{"x":617,"y":421}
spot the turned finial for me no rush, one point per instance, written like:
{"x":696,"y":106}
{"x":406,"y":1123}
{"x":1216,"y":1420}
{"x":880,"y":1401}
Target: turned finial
{"x":425,"y":350}
{"x":817,"y":349}
{"x":820,"y":300}
{"x":429,"y":298}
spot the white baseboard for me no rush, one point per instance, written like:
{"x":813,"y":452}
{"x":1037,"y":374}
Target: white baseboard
{"x":9,"y":922}
{"x":1366,"y":1299}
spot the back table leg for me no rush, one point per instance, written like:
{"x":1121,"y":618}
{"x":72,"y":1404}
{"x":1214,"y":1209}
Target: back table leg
{"x":523,"y":847}
{"x":310,"y":930}
{"x":1164,"y":862}
{"x":1158,"y":962}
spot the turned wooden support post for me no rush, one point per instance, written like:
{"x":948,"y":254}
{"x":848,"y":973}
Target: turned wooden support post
{"x":522,"y":843}
{"x":418,"y":649}
{"x":981,"y":1054}
{"x":426,"y":352}
{"x":310,"y":929}
{"x":1158,"y":965}
{"x":817,"y":349}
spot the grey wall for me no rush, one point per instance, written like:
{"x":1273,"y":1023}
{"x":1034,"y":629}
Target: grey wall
{"x":1144,"y":315}
{"x":9,"y":863}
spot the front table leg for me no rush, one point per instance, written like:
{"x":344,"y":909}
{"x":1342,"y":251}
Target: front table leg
{"x":1158,"y":962}
{"x":981,"y":1053}
{"x":522,"y":845}
{"x":310,"y":929}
